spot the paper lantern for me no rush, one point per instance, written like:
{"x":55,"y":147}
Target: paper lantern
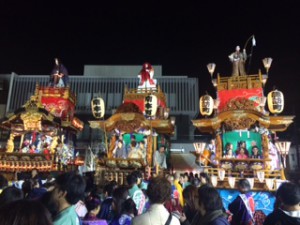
{"x":150,"y":105}
{"x":231,"y":182}
{"x":98,"y":107}
{"x":214,"y":180}
{"x":221,"y":174}
{"x":206,"y":105}
{"x":275,"y":101}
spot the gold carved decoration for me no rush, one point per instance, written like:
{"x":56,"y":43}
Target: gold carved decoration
{"x":238,"y":123}
{"x":10,"y":143}
{"x":32,"y":120}
{"x":239,"y":103}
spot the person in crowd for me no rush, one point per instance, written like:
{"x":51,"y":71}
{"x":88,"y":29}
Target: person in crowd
{"x":242,"y":153}
{"x":159,"y":158}
{"x":10,"y":194}
{"x":37,"y":191}
{"x":159,"y":191}
{"x":173,"y":205}
{"x":24,"y":212}
{"x":3,"y":182}
{"x":128,"y":212}
{"x":178,"y":188}
{"x":69,"y":188}
{"x":186,"y":180}
{"x":35,"y":175}
{"x":106,"y":209}
{"x":120,"y":151}
{"x":210,"y":208}
{"x":142,"y":184}
{"x":27,"y":187}
{"x":228,"y":151}
{"x":181,"y":179}
{"x":135,"y":152}
{"x":136,"y":193}
{"x":255,"y":153}
{"x":288,"y":211}
{"x":120,"y":195}
{"x":243,"y":206}
{"x":229,"y":154}
{"x":143,"y":149}
{"x":93,"y":205}
{"x":32,"y":149}
{"x":191,"y":207}
{"x":204,"y":179}
{"x":50,"y":204}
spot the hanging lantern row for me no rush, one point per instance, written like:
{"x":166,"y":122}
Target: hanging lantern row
{"x":275,"y":102}
{"x":150,"y":105}
{"x":98,"y":107}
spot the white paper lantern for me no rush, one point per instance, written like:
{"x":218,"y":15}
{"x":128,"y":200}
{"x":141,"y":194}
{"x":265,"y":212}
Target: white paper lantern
{"x":98,"y":107}
{"x":150,"y":105}
{"x":275,"y":101}
{"x":206,"y":105}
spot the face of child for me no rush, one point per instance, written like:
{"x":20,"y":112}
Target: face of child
{"x":255,"y":151}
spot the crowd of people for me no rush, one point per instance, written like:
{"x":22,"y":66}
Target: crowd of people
{"x":172,"y":199}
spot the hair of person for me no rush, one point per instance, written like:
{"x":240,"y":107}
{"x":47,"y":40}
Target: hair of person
{"x":137,"y":173}
{"x":92,"y":203}
{"x":133,"y":143}
{"x":131,"y":179}
{"x":227,"y":145}
{"x":120,"y":195}
{"x":288,"y":194}
{"x":73,"y":184}
{"x":52,"y":206}
{"x":190,"y":195}
{"x":196,"y":182}
{"x":142,"y":142}
{"x":129,"y":207}
{"x":10,"y":194}
{"x":27,"y":187}
{"x":3,"y":181}
{"x":244,"y":185}
{"x":205,"y":176}
{"x":25,"y":212}
{"x":159,"y":190}
{"x":210,"y":198}
{"x":109,"y":188}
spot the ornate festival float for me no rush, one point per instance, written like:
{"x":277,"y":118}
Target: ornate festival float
{"x":42,"y":130}
{"x":139,"y":126}
{"x":246,"y":145}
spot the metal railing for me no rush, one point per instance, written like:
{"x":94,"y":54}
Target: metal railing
{"x":182,"y":93}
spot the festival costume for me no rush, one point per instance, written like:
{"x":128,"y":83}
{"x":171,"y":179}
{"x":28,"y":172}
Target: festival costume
{"x":280,"y":217}
{"x":67,"y":217}
{"x":138,"y":197}
{"x":157,"y":214}
{"x":242,"y":209}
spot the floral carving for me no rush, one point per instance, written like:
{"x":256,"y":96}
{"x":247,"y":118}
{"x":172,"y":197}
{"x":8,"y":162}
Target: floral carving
{"x":238,"y":123}
{"x":239,"y":103}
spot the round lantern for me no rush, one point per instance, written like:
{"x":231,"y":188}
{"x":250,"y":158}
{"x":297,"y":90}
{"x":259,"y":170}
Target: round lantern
{"x":150,"y":104}
{"x":275,"y":101}
{"x":98,"y":107}
{"x":206,"y":105}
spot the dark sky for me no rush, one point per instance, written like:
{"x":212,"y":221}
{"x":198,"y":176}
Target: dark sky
{"x":183,"y":37}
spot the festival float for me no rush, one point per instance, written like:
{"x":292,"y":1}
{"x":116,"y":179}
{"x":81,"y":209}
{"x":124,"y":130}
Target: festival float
{"x":42,"y":130}
{"x":246,"y":144}
{"x":142,"y":119}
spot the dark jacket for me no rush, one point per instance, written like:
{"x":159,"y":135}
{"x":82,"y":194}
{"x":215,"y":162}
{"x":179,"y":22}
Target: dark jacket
{"x":278,"y":217}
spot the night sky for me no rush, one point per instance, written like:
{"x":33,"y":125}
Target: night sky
{"x":182,"y":37}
